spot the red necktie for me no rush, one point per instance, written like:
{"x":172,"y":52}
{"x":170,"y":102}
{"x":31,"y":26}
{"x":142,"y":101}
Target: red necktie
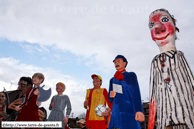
{"x":118,"y":75}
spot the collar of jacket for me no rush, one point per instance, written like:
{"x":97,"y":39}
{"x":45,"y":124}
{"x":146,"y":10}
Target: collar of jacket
{"x":170,"y":54}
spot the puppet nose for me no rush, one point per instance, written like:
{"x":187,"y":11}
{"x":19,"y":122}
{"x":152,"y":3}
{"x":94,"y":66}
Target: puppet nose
{"x":159,"y":28}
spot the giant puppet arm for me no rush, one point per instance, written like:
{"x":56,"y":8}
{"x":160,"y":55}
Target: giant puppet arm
{"x":152,"y":114}
{"x":108,"y":110}
{"x":131,"y":79}
{"x":86,"y":99}
{"x":152,"y":104}
{"x":189,"y":72}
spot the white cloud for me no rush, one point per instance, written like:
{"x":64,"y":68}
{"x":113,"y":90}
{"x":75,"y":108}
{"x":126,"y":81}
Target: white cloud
{"x":83,"y":27}
{"x":92,"y":30}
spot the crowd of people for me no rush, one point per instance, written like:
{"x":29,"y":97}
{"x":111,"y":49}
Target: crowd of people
{"x":171,"y":91}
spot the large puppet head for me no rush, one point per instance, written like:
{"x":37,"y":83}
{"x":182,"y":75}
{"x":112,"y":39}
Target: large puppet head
{"x":37,"y":79}
{"x":60,"y":87}
{"x":24,"y":84}
{"x":120,"y":62}
{"x":97,"y":80}
{"x":163,"y":29}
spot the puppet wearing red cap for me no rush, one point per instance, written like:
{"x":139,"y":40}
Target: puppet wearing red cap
{"x":95,"y":97}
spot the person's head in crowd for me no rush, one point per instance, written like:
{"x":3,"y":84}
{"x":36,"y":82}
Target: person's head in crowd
{"x":2,"y":98}
{"x":81,"y":123}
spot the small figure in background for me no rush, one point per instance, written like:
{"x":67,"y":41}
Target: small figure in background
{"x":58,"y":104}
{"x":81,"y":123}
{"x":42,"y":114}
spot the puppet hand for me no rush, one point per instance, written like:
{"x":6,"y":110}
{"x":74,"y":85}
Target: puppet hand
{"x":40,"y":114}
{"x":65,"y":120}
{"x":18,"y":101}
{"x":85,"y":103}
{"x":112,"y":94}
{"x":36,"y":92}
{"x":107,"y":112}
{"x":139,"y":116}
{"x":52,"y":105}
{"x":15,"y":103}
{"x":17,"y":108}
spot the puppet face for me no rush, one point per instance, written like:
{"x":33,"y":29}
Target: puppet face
{"x":22,"y":87}
{"x":59,"y":88}
{"x":2,"y":98}
{"x":119,"y":64}
{"x":36,"y":81}
{"x":162,"y":28}
{"x":97,"y":81}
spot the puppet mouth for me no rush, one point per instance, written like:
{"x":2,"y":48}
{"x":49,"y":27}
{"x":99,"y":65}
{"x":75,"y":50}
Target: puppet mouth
{"x":161,"y":38}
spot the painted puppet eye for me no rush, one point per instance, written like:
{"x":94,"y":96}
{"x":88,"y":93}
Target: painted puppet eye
{"x":165,"y":19}
{"x":151,"y":24}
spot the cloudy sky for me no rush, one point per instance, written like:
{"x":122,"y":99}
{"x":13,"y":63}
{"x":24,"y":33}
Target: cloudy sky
{"x":69,"y":40}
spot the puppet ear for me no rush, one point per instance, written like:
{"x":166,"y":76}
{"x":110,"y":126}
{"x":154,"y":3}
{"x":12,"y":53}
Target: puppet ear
{"x":125,"y":64}
{"x":176,"y":28}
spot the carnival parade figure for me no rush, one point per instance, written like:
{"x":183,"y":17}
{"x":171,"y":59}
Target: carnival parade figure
{"x":58,"y":104}
{"x":95,"y":97}
{"x":171,"y":79}
{"x":124,"y":92}
{"x":17,"y":97}
{"x":29,"y":111}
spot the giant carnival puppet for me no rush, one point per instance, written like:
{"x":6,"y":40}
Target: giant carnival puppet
{"x":16,"y":97}
{"x":58,"y":104}
{"x":33,"y":99}
{"x":171,"y":79}
{"x":124,"y":92}
{"x":95,"y":102}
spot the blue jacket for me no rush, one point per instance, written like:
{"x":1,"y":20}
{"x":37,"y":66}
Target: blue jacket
{"x":125,"y":104}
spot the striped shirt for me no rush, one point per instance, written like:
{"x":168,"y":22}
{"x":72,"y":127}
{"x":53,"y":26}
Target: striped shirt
{"x":172,"y":86}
